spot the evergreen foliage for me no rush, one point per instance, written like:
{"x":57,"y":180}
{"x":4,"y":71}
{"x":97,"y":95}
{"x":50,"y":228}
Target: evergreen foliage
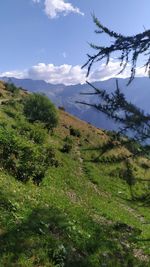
{"x":128,"y":47}
{"x":134,"y":122}
{"x":129,"y":116}
{"x":115,"y":105}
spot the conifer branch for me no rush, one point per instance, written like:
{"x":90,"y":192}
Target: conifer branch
{"x":129,"y":47}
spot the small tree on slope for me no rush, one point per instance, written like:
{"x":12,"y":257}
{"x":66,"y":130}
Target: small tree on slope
{"x":38,"y":107}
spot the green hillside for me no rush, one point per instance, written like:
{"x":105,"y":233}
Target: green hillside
{"x":81,"y":212}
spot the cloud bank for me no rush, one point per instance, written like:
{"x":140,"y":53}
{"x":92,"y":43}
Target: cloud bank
{"x":70,"y":75}
{"x":53,"y":8}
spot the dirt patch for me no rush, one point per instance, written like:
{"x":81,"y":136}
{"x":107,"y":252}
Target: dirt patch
{"x":139,"y":254}
{"x":72,"y":196}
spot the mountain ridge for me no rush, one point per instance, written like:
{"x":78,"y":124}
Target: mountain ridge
{"x":61,"y":95}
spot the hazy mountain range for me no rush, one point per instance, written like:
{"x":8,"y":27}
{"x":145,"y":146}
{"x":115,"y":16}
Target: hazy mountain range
{"x":138,"y":92}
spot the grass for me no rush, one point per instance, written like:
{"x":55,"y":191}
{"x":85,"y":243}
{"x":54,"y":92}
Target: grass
{"x":81,"y":214}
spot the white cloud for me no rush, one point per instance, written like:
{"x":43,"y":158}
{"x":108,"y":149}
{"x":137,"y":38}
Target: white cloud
{"x":105,"y":72}
{"x":14,"y":73}
{"x":69,"y":75}
{"x":54,"y":7}
{"x":66,"y":74}
{"x":140,"y":72}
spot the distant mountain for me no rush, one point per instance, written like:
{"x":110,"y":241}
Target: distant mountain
{"x":138,"y":92}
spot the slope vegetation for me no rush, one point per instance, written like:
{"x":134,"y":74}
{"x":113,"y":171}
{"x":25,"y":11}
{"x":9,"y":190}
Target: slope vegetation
{"x":82,"y":212}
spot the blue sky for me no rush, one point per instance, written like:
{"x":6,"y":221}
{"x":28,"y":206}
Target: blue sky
{"x":48,"y":39}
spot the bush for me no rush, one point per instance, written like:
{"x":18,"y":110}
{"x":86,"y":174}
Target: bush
{"x":37,"y":134}
{"x":38,"y":107}
{"x":12,"y":88}
{"x":67,"y":147}
{"x":10,"y":112}
{"x":75,"y":132}
{"x":34,"y":132}
{"x":22,"y":158}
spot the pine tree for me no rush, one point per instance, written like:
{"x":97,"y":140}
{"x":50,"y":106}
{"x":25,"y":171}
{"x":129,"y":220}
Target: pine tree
{"x":128,"y":47}
{"x":134,"y":123}
{"x":115,"y":105}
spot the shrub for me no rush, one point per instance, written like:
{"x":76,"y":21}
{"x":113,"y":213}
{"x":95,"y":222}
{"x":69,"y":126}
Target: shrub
{"x":127,"y":174}
{"x":37,"y":134}
{"x":38,"y":107}
{"x":22,"y":158}
{"x":75,"y":132}
{"x":66,"y":148}
{"x":10,"y":112}
{"x":34,"y":132}
{"x":67,"y":145}
{"x":12,"y":88}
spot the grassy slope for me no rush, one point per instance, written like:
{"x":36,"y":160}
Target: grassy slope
{"x":80,"y":215}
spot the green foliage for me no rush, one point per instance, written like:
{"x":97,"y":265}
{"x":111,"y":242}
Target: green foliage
{"x":34,"y":132}
{"x":37,"y":134}
{"x":10,"y":112}
{"x":80,"y":215}
{"x":67,"y":147}
{"x":38,"y":107}
{"x":12,"y":88}
{"x":22,"y":158}
{"x":59,"y":256}
{"x":24,"y":148}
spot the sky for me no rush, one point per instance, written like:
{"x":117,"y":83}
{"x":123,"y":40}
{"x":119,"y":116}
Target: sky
{"x":49,"y":39}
